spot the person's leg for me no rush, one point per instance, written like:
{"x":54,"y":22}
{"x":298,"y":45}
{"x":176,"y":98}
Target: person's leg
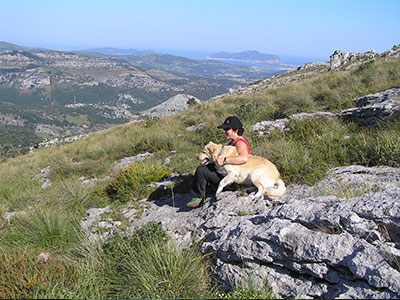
{"x":204,"y":175}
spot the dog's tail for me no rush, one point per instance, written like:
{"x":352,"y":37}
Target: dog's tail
{"x":279,"y":188}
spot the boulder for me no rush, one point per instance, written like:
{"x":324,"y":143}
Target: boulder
{"x":173,"y":105}
{"x":128,"y":161}
{"x":265,"y":127}
{"x":374,"y":107}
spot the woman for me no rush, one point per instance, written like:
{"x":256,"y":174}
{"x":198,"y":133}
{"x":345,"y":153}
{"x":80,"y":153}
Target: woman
{"x":207,"y":174}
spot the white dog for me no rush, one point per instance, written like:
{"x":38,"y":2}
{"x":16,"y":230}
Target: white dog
{"x":257,"y":170}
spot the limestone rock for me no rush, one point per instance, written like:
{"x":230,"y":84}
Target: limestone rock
{"x":44,"y":177}
{"x":173,"y":105}
{"x":196,"y":127}
{"x":374,"y":107}
{"x":369,"y":110}
{"x":394,"y":52}
{"x":265,"y":127}
{"x":343,"y":59}
{"x":9,"y":215}
{"x":128,"y":161}
{"x":310,"y":243}
{"x":93,"y":215}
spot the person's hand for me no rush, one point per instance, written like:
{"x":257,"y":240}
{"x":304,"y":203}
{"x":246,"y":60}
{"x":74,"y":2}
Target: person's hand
{"x":220,"y":161}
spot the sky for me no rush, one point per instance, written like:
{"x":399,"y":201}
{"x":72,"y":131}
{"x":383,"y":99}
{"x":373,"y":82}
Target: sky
{"x":304,"y":28}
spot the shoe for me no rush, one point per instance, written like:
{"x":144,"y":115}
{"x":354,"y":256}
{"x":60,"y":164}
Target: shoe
{"x":194,"y":202}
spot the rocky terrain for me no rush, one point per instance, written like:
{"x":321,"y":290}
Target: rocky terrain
{"x":339,"y":238}
{"x":312,"y":242}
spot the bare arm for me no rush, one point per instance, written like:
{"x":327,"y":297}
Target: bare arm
{"x":239,"y":159}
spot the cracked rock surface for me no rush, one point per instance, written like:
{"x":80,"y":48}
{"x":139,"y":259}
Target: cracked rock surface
{"x":311,"y":242}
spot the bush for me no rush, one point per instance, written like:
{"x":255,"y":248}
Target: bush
{"x":134,"y":180}
{"x":23,"y":275}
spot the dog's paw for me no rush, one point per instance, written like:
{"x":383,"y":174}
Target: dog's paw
{"x":251,"y":195}
{"x":217,"y":197}
{"x":255,"y":196}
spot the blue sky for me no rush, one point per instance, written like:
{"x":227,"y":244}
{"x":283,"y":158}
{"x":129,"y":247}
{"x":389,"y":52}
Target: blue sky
{"x":308,"y":28}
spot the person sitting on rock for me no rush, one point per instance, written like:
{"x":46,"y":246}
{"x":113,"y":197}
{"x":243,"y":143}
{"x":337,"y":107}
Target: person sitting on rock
{"x":207,"y":174}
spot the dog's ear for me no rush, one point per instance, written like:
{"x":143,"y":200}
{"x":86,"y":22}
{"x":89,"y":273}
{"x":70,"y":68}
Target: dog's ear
{"x":214,"y":150}
{"x":210,"y":144}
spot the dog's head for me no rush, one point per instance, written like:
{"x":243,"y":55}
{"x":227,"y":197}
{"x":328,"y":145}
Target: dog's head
{"x":209,"y":153}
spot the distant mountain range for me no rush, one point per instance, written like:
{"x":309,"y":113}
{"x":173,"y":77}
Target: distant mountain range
{"x":116,"y":51}
{"x":248,"y":56}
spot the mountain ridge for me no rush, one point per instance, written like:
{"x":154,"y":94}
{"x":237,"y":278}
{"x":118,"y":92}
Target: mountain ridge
{"x":248,"y":55}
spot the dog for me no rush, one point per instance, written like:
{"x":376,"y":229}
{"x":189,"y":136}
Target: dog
{"x":257,"y":170}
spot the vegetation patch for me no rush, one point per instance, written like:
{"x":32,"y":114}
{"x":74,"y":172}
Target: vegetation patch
{"x":25,"y":276}
{"x":134,"y":180}
{"x":142,"y":265}
{"x":42,"y":229}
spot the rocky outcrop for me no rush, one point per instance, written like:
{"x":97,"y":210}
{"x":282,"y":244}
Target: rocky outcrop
{"x":368,"y":111}
{"x":265,"y":127}
{"x":337,"y":239}
{"x":346,"y":60}
{"x":173,"y":105}
{"x":373,"y":108}
{"x":394,"y":52}
{"x":57,"y":141}
{"x":128,"y":161}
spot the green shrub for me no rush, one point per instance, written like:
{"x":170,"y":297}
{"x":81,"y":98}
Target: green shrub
{"x":135,"y":179}
{"x":25,"y":276}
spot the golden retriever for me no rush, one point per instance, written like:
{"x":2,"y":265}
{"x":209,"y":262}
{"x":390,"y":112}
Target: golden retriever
{"x":257,"y":170}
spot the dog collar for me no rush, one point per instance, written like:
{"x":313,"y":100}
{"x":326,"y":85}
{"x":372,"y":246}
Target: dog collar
{"x":220,"y":151}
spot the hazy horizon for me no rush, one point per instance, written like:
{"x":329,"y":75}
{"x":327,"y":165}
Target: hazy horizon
{"x":193,"y":54}
{"x":309,"y":29}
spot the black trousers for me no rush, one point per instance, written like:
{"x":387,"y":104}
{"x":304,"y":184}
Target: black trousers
{"x":205,"y":176}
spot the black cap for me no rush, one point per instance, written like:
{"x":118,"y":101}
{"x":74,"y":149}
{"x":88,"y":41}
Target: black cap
{"x":231,"y":122}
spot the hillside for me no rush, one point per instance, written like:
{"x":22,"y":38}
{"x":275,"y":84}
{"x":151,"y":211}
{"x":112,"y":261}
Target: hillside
{"x":53,"y":94}
{"x":333,"y":234}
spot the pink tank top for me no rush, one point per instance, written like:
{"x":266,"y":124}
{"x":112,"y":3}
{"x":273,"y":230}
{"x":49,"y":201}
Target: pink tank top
{"x":244,"y":141}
